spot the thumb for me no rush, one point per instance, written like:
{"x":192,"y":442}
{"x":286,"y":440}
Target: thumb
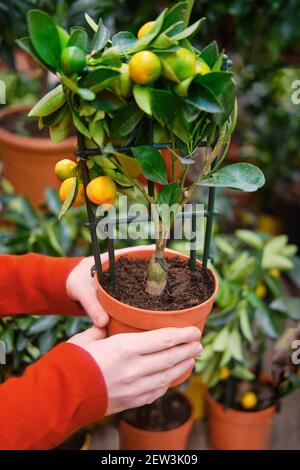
{"x":94,"y":309}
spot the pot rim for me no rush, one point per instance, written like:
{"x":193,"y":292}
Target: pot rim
{"x":17,"y":140}
{"x":160,"y":312}
{"x":187,"y":422}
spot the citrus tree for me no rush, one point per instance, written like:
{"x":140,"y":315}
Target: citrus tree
{"x":127,"y":96}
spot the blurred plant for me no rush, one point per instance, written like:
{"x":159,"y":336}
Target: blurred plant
{"x":251,"y":306}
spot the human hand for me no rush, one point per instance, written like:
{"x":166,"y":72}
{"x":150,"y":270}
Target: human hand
{"x":139,"y":367}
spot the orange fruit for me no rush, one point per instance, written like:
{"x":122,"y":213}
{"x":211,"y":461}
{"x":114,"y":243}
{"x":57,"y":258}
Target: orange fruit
{"x":144,"y":29}
{"x":102,"y":190}
{"x":65,"y":189}
{"x":65,"y":169}
{"x":201,"y":67}
{"x":182,"y":62}
{"x":144,"y":67}
{"x":261,"y":290}
{"x":249,"y":400}
{"x":224,"y":373}
{"x":275,"y":273}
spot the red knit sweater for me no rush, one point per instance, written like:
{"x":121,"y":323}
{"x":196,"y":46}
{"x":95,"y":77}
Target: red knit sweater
{"x":65,"y":389}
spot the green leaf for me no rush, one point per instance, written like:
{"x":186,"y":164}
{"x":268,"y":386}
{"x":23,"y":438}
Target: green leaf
{"x":251,"y":238}
{"x":99,"y":78}
{"x":288,"y":305}
{"x":245,"y":321}
{"x":221,"y":341}
{"x":91,"y":22}
{"x":101,"y":37}
{"x":26,"y":45}
{"x":131,"y":166}
{"x":50,"y":103}
{"x":107,"y":101}
{"x":188,"y":32}
{"x":210,"y":54}
{"x":221,"y":86}
{"x":125,"y":120}
{"x":8,"y":337}
{"x":153,"y":165}
{"x":79,"y":125}
{"x":163,"y":42}
{"x":242,"y":373}
{"x":242,"y":176}
{"x":43,"y":324}
{"x":44,"y":37}
{"x":263,"y":315}
{"x":170,"y":194}
{"x":123,"y":40}
{"x":47,"y":340}
{"x":61,"y":130}
{"x":142,"y":43}
{"x":69,"y":199}
{"x":203,"y":99}
{"x":97,"y":132}
{"x":86,"y":94}
{"x":79,"y":38}
{"x":165,"y":106}
{"x":235,"y":345}
{"x":120,"y":179}
{"x":142,"y":96}
{"x":174,"y":15}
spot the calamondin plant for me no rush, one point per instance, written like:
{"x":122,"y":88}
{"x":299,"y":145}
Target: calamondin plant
{"x":127,"y":97}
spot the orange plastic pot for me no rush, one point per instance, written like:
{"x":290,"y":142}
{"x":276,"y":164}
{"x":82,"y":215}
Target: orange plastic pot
{"x":238,"y":430}
{"x":128,"y":319}
{"x":28,"y":162}
{"x":133,"y":438}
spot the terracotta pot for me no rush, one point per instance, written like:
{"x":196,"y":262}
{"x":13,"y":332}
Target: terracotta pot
{"x":132,"y":438}
{"x":127,"y":319}
{"x":231,"y":429}
{"x":28,"y":162}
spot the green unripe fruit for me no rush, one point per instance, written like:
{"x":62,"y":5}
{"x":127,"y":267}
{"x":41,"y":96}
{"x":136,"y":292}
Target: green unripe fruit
{"x":73,"y":60}
{"x":182,"y":62}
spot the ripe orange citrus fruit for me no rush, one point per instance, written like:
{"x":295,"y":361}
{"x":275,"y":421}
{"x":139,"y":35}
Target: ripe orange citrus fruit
{"x":261,"y":290}
{"x":144,"y":67}
{"x":224,"y":373}
{"x":275,"y":273}
{"x":73,"y":59}
{"x":182,"y":62}
{"x":65,"y":169}
{"x":102,"y":190}
{"x":249,"y":400}
{"x":144,"y":29}
{"x":202,"y":67}
{"x":65,"y":189}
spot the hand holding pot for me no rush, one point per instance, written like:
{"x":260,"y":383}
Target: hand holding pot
{"x":139,"y":367}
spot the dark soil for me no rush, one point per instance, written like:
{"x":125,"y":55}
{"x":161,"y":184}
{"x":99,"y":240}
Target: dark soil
{"x":168,"y":412}
{"x":184,"y":288}
{"x":264,"y":391}
{"x":19,"y":123}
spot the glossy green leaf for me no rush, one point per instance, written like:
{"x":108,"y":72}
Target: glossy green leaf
{"x":44,"y":37}
{"x":165,"y":106}
{"x":242,"y":176}
{"x":174,"y":15}
{"x":107,"y":101}
{"x":153,"y":165}
{"x":91,"y":22}
{"x":50,"y":103}
{"x":79,"y":38}
{"x":26,"y":44}
{"x":251,"y":238}
{"x":101,"y":37}
{"x":61,"y":130}
{"x":203,"y":99}
{"x":221,"y":341}
{"x":99,"y":78}
{"x":125,"y":120}
{"x":97,"y":132}
{"x":188,"y":32}
{"x":170,"y":194}
{"x":210,"y":54}
{"x":80,"y":126}
{"x":221,"y":86}
{"x":47,"y":340}
{"x":123,"y":40}
{"x":142,"y":96}
{"x":235,"y":345}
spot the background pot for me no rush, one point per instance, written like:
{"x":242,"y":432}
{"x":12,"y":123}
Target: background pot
{"x":231,"y":429}
{"x":28,"y":162}
{"x":133,"y":438}
{"x":127,"y":319}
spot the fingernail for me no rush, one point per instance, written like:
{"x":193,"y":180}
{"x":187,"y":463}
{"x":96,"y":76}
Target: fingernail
{"x":199,"y":349}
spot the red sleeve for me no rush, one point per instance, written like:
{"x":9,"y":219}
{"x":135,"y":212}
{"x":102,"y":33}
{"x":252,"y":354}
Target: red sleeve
{"x":61,"y":392}
{"x":36,"y":284}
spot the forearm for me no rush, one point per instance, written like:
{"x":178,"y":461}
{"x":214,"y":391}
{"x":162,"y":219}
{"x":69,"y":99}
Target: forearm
{"x":36,"y":284}
{"x":62,"y":392}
